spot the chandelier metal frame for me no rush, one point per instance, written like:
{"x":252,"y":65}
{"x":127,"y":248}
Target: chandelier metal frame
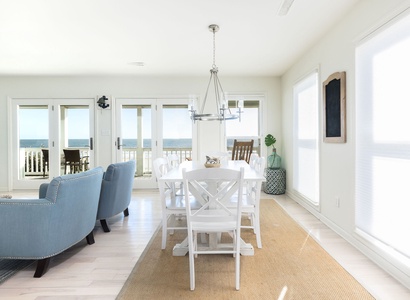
{"x":223,"y":112}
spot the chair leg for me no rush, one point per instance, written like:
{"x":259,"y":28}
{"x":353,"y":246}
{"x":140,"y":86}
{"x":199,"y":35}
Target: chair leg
{"x":164,"y":230}
{"x":172,"y":224}
{"x":126,"y":212}
{"x":257,"y":229}
{"x":191,"y":262}
{"x":104,"y":225}
{"x":90,"y":238}
{"x":237,"y":268}
{"x":42,"y":267}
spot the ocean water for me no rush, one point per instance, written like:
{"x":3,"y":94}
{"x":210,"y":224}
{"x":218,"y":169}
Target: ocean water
{"x":127,"y":143}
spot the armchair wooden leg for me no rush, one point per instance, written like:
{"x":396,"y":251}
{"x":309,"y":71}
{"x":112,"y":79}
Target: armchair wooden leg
{"x":90,"y":238}
{"x":42,"y":267}
{"x":104,"y":225}
{"x":126,"y":212}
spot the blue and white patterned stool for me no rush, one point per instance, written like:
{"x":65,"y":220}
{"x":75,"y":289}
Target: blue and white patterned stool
{"x":275,"y":181}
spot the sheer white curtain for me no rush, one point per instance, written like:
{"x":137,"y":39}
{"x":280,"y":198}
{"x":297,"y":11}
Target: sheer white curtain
{"x":383,"y":138}
{"x":306,"y":132}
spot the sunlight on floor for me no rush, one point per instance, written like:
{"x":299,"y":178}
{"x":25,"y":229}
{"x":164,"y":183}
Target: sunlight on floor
{"x":283,"y":293}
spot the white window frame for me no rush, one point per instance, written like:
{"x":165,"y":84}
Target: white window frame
{"x":382,"y":148}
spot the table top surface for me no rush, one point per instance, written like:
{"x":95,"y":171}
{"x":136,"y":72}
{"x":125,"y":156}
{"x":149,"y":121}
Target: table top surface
{"x":176,"y":173}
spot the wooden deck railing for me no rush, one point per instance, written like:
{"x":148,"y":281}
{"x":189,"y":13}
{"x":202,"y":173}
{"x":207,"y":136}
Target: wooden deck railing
{"x":33,"y":159}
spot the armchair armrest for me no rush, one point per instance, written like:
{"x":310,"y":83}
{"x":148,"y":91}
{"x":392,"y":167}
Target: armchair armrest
{"x":27,"y":219}
{"x":42,"y":192}
{"x":109,"y":174}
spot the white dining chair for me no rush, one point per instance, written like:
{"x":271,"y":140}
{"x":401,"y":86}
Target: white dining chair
{"x":253,"y":159}
{"x":172,"y":205}
{"x":173,"y":162}
{"x":214,"y":216}
{"x":251,"y":201}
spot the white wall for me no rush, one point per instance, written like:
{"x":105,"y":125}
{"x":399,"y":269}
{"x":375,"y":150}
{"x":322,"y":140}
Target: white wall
{"x":334,"y":53}
{"x":128,"y":86}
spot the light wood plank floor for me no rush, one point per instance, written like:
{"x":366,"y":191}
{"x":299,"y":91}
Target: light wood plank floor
{"x":100,"y":270}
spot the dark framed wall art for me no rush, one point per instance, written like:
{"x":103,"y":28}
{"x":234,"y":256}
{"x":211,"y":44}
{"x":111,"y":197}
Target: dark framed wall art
{"x":334,"y":108}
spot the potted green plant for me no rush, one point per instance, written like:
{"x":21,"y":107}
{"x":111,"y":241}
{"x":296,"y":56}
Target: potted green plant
{"x":270,"y":140}
{"x":274,"y":160}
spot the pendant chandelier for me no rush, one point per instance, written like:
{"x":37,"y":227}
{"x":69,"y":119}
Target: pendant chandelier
{"x":223,"y":112}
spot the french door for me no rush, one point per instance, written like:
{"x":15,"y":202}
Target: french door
{"x":151,"y":128}
{"x":41,"y":130}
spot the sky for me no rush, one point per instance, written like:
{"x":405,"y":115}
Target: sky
{"x":34,"y":124}
{"x":177,"y":123}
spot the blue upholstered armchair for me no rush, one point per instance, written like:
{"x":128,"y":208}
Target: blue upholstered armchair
{"x":63,"y":215}
{"x":116,"y":191}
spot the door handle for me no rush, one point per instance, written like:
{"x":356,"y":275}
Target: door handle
{"x":91,"y":143}
{"x":119,"y":143}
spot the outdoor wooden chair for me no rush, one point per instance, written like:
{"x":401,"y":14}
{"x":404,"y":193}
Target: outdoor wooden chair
{"x":74,"y":160}
{"x":45,"y":161}
{"x":242,"y":150}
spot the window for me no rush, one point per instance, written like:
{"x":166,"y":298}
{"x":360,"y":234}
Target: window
{"x":306,"y":131}
{"x":249,"y":126}
{"x":383,"y":139}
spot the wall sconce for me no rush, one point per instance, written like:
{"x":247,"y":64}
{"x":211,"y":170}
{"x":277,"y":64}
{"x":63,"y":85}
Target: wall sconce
{"x":102,"y":102}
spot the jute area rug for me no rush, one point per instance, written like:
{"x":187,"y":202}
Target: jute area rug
{"x":291,"y":265}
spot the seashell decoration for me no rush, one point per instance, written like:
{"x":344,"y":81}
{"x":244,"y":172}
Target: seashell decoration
{"x":212,"y":162}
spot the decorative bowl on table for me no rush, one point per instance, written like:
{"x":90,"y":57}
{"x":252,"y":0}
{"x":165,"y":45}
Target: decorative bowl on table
{"x":212,"y":162}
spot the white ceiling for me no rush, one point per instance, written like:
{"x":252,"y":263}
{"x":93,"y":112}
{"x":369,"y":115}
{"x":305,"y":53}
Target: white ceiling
{"x":171,"y":37}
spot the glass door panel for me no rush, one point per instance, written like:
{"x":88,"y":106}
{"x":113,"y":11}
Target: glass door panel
{"x":137,"y":137}
{"x":33,"y":136}
{"x":176,"y":131}
{"x":249,"y":127}
{"x":74,"y":138}
{"x":40,"y":130}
